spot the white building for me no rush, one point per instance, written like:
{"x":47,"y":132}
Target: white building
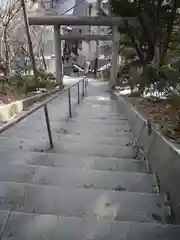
{"x":89,"y":50}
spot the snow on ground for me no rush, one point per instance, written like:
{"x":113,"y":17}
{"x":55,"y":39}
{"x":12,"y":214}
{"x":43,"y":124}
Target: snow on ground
{"x":127,"y":91}
{"x":123,"y":91}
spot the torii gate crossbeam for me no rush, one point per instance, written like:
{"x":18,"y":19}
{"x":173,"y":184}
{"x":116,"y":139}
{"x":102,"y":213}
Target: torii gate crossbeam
{"x":87,"y":37}
{"x":76,"y":21}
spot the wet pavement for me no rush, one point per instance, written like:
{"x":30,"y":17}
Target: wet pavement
{"x":90,"y":186}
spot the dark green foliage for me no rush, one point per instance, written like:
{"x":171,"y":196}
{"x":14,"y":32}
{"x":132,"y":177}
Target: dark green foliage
{"x":28,"y":83}
{"x":153,"y":24}
{"x":124,"y":8}
{"x":154,"y":29}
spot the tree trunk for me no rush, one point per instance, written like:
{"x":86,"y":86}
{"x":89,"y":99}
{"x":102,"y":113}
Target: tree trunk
{"x":169,"y":32}
{"x":43,"y":59}
{"x":6,"y":52}
{"x":31,"y":53}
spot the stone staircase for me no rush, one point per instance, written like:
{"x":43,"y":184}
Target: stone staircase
{"x":90,"y":186}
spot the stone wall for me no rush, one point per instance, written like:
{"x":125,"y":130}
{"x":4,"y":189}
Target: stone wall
{"x":163,"y":156}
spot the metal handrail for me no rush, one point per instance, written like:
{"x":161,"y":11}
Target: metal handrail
{"x":44,"y":104}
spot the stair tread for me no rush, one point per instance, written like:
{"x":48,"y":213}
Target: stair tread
{"x":57,"y":227}
{"x":66,"y":133}
{"x":102,"y":131}
{"x":105,"y":204}
{"x":94,"y":179}
{"x":75,"y":148}
{"x":72,"y":161}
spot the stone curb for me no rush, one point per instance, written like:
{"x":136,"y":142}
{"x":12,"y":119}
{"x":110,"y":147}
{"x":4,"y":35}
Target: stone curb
{"x":163,"y":155}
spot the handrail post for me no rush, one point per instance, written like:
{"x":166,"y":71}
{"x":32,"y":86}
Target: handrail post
{"x":83,"y":88}
{"x":69,"y":97}
{"x":48,"y":126}
{"x":78,"y":93}
{"x":86,"y":83}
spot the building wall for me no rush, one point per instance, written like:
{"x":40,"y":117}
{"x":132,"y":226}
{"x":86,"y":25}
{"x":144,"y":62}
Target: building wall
{"x":88,"y":50}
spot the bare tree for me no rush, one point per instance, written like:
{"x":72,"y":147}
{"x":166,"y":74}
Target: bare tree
{"x":6,"y":16}
{"x":38,"y":33}
{"x":13,"y":42}
{"x":29,"y":37}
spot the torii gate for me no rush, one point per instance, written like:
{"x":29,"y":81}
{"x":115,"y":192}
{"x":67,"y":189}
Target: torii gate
{"x":58,"y":21}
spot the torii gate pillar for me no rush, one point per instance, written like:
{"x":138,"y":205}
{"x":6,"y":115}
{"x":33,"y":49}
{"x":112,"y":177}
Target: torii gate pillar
{"x":114,"y":59}
{"x":58,"y":52}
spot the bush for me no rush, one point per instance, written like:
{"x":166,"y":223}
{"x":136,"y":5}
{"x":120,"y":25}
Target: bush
{"x":43,"y":80}
{"x":20,"y":84}
{"x":163,"y":80}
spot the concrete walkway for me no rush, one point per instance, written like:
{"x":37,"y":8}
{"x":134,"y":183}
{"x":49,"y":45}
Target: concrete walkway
{"x":89,"y":186}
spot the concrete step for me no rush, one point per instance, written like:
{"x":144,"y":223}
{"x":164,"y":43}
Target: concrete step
{"x":76,"y":178}
{"x":101,"y":204}
{"x":64,"y":137}
{"x":101,"y":127}
{"x":105,"y":102}
{"x":41,"y":132}
{"x":96,"y":106}
{"x":96,"y":150}
{"x":72,"y":121}
{"x":20,"y":130}
{"x":57,"y":227}
{"x":98,"y":140}
{"x":96,"y":118}
{"x":95,"y":179}
{"x":99,"y":121}
{"x":101,"y":132}
{"x":72,"y":162}
{"x":99,"y":115}
{"x":75,"y":148}
{"x":88,"y":109}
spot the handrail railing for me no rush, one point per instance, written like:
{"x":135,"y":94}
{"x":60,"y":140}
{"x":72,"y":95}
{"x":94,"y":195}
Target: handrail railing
{"x":19,"y":118}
